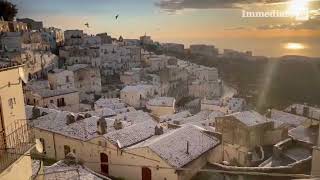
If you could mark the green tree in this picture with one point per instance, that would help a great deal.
(7, 10)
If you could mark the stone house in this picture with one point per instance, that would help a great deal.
(63, 99)
(245, 132)
(161, 106)
(87, 81)
(138, 95)
(61, 79)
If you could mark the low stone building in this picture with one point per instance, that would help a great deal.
(243, 133)
(137, 96)
(64, 99)
(61, 79)
(188, 147)
(131, 77)
(87, 81)
(161, 106)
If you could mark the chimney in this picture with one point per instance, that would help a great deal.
(187, 147)
(249, 156)
(158, 130)
(101, 126)
(87, 115)
(80, 117)
(293, 110)
(35, 112)
(70, 118)
(117, 124)
(306, 111)
(268, 115)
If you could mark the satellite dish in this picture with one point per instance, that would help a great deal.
(39, 146)
(22, 75)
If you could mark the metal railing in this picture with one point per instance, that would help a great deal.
(15, 145)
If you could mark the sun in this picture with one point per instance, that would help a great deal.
(295, 46)
(297, 7)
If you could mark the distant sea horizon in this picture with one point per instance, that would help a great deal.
(260, 47)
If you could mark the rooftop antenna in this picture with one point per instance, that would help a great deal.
(187, 147)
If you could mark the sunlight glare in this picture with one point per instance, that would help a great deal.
(294, 46)
(298, 7)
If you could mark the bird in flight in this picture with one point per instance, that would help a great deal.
(87, 24)
(117, 16)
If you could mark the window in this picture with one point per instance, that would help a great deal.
(51, 101)
(61, 102)
(11, 102)
(43, 145)
(67, 79)
(66, 149)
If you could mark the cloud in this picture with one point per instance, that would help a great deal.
(174, 5)
(312, 24)
(236, 28)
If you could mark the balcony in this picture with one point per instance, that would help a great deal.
(15, 145)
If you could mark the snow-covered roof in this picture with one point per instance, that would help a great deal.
(314, 112)
(54, 121)
(45, 93)
(215, 114)
(35, 85)
(62, 170)
(137, 88)
(305, 134)
(103, 112)
(287, 118)
(162, 101)
(113, 103)
(172, 146)
(77, 67)
(176, 116)
(133, 134)
(216, 102)
(201, 116)
(83, 129)
(58, 71)
(250, 118)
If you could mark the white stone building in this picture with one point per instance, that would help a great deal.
(39, 93)
(131, 77)
(161, 106)
(61, 79)
(204, 50)
(87, 81)
(138, 95)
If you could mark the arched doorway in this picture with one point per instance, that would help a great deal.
(104, 163)
(146, 173)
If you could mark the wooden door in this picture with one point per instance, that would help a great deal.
(104, 163)
(146, 173)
